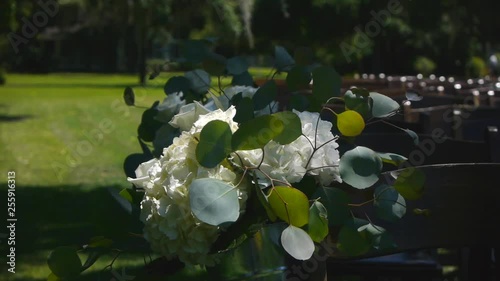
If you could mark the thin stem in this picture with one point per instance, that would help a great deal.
(361, 204)
(321, 167)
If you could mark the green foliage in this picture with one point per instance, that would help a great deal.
(424, 65)
(360, 167)
(389, 204)
(64, 262)
(350, 123)
(476, 67)
(265, 95)
(318, 222)
(290, 205)
(214, 144)
(410, 183)
(213, 201)
(257, 132)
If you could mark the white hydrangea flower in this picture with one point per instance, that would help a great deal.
(169, 225)
(289, 163)
(246, 92)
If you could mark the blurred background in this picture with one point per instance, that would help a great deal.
(450, 37)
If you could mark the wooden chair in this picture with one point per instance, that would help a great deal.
(463, 200)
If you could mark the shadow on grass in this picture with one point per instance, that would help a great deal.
(85, 86)
(67, 215)
(13, 118)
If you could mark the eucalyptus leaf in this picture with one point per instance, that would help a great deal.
(336, 201)
(292, 127)
(215, 143)
(257, 132)
(244, 79)
(380, 239)
(149, 124)
(199, 80)
(283, 60)
(177, 84)
(237, 65)
(383, 106)
(389, 204)
(351, 242)
(290, 205)
(327, 84)
(298, 78)
(412, 95)
(410, 183)
(265, 95)
(413, 135)
(244, 110)
(299, 102)
(215, 64)
(129, 96)
(360, 167)
(350, 123)
(125, 194)
(359, 100)
(392, 158)
(213, 201)
(297, 243)
(318, 222)
(64, 262)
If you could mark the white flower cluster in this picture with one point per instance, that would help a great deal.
(170, 227)
(289, 163)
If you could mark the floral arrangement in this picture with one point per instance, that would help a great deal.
(232, 158)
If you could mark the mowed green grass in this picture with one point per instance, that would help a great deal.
(66, 136)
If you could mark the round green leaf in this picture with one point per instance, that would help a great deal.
(336, 202)
(290, 205)
(215, 64)
(265, 95)
(215, 143)
(359, 101)
(64, 262)
(298, 78)
(410, 183)
(149, 125)
(213, 201)
(392, 158)
(199, 80)
(257, 132)
(176, 84)
(350, 123)
(129, 96)
(326, 84)
(413, 135)
(380, 239)
(299, 102)
(283, 60)
(389, 204)
(292, 127)
(297, 243)
(237, 65)
(244, 110)
(360, 167)
(318, 222)
(244, 79)
(383, 106)
(353, 243)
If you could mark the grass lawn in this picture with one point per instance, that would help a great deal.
(66, 136)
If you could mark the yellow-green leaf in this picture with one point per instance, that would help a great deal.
(350, 123)
(290, 205)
